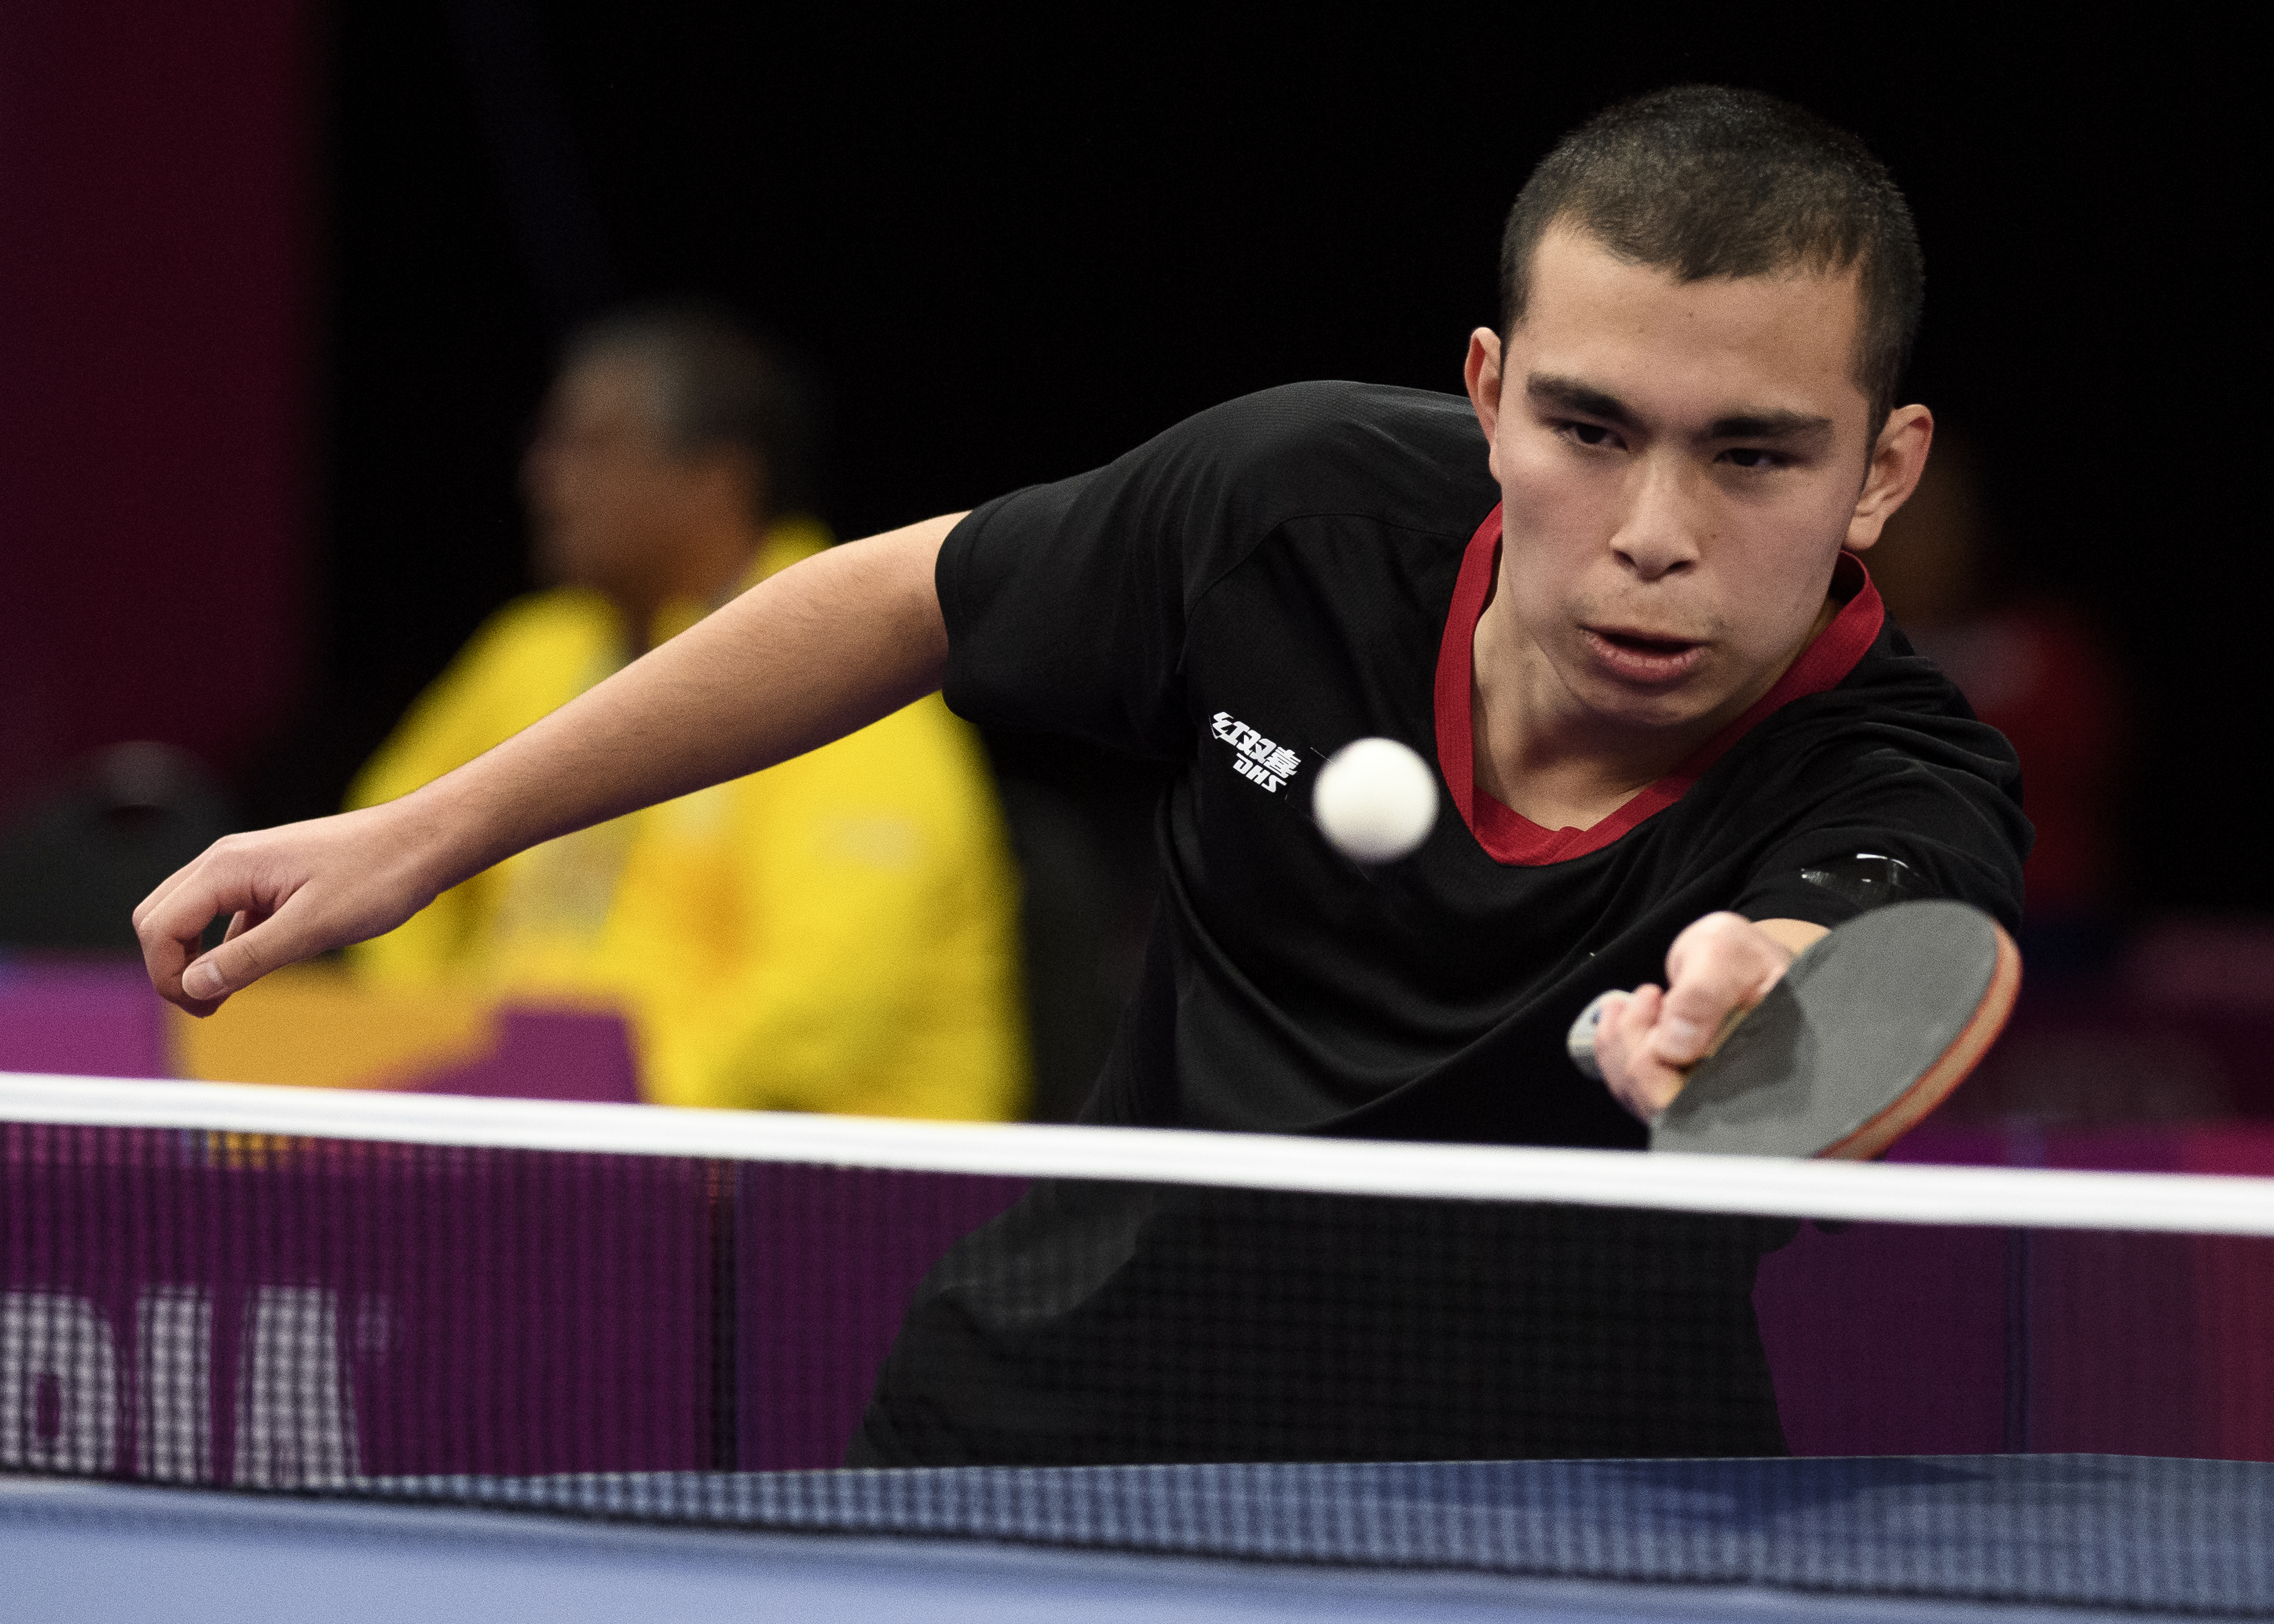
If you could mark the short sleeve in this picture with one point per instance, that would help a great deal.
(1949, 825)
(1066, 605)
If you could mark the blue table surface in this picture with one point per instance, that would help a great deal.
(2005, 1538)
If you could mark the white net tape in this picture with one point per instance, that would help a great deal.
(1756, 1185)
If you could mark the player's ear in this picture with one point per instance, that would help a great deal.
(1481, 372)
(1897, 461)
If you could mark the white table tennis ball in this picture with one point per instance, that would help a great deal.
(1375, 799)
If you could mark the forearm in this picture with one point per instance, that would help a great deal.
(816, 651)
(1794, 936)
(807, 655)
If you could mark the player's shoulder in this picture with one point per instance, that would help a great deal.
(1896, 710)
(1334, 445)
(1892, 676)
(1337, 414)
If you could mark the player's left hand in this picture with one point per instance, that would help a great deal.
(1719, 967)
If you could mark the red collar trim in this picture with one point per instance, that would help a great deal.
(1508, 836)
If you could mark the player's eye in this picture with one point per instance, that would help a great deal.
(1753, 456)
(1589, 434)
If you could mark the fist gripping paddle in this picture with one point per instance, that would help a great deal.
(1868, 1031)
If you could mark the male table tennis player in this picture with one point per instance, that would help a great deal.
(1614, 594)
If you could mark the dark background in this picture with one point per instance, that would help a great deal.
(1012, 253)
(1010, 250)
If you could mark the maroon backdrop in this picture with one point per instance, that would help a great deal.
(155, 211)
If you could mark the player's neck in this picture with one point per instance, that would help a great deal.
(1546, 758)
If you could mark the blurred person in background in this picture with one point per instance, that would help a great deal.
(2033, 668)
(834, 934)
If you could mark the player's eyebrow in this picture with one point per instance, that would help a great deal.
(1785, 426)
(1548, 389)
(1571, 394)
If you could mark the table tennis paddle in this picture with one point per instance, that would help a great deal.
(1871, 1029)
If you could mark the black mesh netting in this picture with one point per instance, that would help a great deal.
(692, 1340)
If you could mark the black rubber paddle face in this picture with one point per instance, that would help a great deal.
(1867, 1032)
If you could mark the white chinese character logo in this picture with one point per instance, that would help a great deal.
(1261, 760)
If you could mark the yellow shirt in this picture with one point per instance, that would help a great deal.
(833, 933)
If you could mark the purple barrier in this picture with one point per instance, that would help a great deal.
(546, 1053)
(1885, 1339)
(2244, 1148)
(1889, 1338)
(828, 1259)
(98, 1018)
(91, 1019)
(211, 1308)
(197, 1307)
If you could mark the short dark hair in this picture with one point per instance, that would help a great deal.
(1706, 181)
(720, 384)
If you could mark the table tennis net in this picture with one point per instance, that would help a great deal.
(692, 1316)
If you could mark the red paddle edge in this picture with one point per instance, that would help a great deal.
(1936, 1082)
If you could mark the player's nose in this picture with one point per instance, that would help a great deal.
(1658, 532)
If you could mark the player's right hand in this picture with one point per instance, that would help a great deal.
(1720, 967)
(291, 892)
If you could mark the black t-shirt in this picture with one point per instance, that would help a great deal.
(1270, 580)
(1241, 597)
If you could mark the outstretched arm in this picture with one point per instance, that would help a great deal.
(807, 655)
(1720, 965)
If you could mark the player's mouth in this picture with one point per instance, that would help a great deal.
(1643, 656)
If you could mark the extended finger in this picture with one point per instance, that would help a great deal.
(1637, 1079)
(164, 889)
(1619, 1037)
(1722, 974)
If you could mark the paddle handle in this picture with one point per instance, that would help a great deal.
(1579, 1042)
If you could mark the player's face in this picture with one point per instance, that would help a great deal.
(604, 492)
(1680, 465)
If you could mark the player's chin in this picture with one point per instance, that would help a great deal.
(1624, 706)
